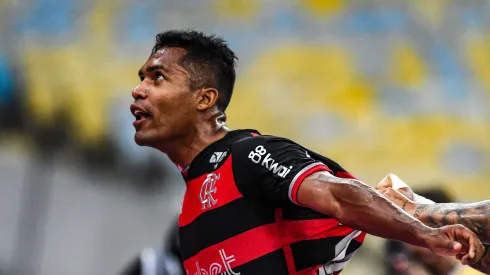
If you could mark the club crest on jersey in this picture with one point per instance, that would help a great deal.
(208, 189)
(260, 156)
(217, 268)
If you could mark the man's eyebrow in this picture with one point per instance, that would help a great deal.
(157, 67)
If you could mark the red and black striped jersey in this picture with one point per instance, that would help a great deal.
(240, 214)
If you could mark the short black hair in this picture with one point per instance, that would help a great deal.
(209, 61)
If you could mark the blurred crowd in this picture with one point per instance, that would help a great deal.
(381, 86)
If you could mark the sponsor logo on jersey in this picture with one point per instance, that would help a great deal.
(217, 157)
(208, 190)
(217, 268)
(260, 156)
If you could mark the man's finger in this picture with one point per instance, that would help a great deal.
(475, 249)
(464, 259)
(457, 246)
(385, 183)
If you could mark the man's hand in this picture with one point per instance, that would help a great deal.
(475, 216)
(399, 199)
(392, 181)
(466, 244)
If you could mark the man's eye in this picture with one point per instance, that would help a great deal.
(159, 77)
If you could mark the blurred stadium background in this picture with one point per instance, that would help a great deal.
(379, 86)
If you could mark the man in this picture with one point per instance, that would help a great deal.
(475, 216)
(258, 204)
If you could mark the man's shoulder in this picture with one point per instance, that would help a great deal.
(257, 139)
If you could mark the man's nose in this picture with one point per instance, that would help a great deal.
(140, 92)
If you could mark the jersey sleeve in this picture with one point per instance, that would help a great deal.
(272, 168)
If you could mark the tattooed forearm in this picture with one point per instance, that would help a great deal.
(475, 216)
(484, 264)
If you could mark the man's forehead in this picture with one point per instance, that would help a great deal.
(166, 56)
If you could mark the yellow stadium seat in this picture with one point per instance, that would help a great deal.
(478, 53)
(237, 9)
(322, 8)
(406, 67)
(432, 11)
(298, 82)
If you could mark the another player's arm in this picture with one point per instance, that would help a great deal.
(359, 206)
(475, 216)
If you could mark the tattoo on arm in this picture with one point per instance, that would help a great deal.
(475, 216)
(404, 204)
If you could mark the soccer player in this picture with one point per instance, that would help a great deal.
(475, 216)
(257, 204)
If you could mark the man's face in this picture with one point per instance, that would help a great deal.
(164, 105)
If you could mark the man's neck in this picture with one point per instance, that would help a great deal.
(183, 151)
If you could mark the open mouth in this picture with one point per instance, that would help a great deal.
(140, 114)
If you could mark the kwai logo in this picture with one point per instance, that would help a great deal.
(217, 268)
(268, 162)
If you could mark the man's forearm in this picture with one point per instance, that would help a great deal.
(357, 205)
(475, 216)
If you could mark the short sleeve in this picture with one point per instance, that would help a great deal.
(272, 167)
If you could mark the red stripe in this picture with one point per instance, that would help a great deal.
(294, 231)
(244, 248)
(299, 180)
(254, 134)
(288, 253)
(345, 175)
(225, 192)
(361, 237)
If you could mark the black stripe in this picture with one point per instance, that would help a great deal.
(296, 213)
(222, 223)
(272, 263)
(318, 252)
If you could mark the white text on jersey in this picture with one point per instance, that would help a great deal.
(268, 162)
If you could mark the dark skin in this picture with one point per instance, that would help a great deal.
(357, 205)
(182, 122)
(475, 216)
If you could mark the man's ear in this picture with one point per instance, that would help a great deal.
(207, 98)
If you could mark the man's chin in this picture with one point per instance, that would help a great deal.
(141, 140)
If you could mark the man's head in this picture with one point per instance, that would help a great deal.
(187, 80)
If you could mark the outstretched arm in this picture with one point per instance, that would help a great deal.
(359, 206)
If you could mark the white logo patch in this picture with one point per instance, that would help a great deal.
(268, 162)
(207, 190)
(217, 157)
